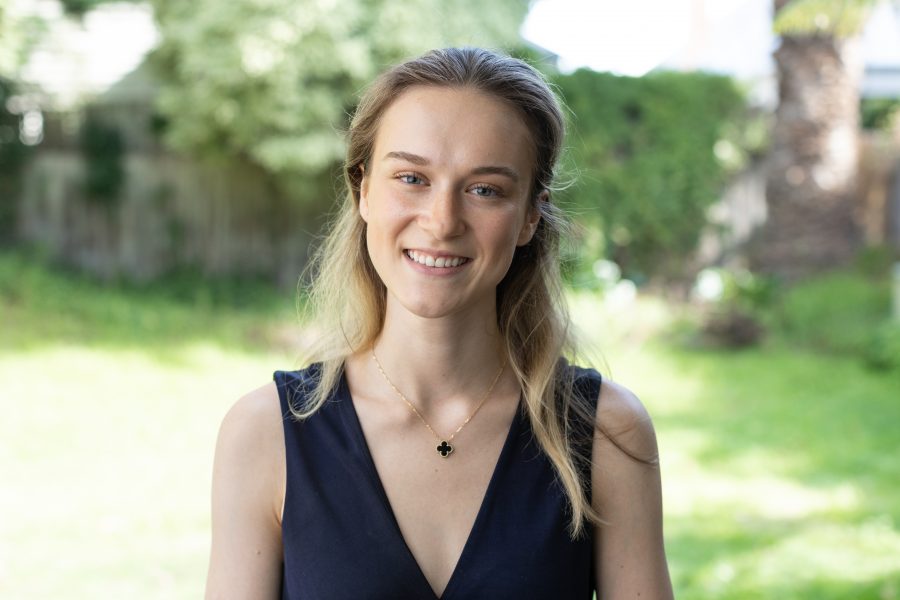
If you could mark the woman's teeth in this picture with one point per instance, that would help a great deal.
(441, 262)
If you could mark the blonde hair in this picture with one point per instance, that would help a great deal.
(346, 299)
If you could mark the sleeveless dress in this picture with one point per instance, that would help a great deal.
(341, 539)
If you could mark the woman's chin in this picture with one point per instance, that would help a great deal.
(430, 309)
(435, 306)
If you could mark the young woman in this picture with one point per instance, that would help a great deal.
(440, 447)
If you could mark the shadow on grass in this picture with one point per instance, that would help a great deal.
(45, 306)
(830, 419)
(795, 464)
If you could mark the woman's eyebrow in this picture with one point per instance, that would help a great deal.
(409, 157)
(496, 170)
(485, 170)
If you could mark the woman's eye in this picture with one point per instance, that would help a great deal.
(409, 178)
(485, 191)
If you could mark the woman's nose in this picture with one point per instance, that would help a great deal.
(443, 217)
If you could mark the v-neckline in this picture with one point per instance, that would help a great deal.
(480, 517)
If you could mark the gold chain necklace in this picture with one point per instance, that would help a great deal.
(444, 448)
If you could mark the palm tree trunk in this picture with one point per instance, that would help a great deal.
(811, 183)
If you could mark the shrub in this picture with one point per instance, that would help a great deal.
(883, 350)
(652, 153)
(13, 154)
(839, 312)
(733, 327)
(878, 113)
(102, 147)
(877, 261)
(740, 316)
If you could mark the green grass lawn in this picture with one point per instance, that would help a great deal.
(780, 473)
(779, 466)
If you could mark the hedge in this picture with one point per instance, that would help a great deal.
(645, 152)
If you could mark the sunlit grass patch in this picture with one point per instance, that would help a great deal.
(817, 560)
(820, 550)
(748, 493)
(779, 466)
(768, 455)
(106, 467)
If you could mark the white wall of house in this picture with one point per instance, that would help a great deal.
(725, 36)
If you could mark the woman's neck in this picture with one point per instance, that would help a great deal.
(452, 358)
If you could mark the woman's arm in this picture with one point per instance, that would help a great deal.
(247, 496)
(629, 553)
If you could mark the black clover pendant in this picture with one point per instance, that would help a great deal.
(444, 449)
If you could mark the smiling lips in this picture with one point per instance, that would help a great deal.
(443, 262)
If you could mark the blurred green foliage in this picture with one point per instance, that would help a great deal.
(883, 349)
(839, 312)
(840, 18)
(19, 32)
(879, 113)
(78, 8)
(275, 81)
(103, 148)
(651, 155)
(845, 313)
(12, 156)
(742, 316)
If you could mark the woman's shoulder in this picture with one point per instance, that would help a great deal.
(256, 403)
(261, 412)
(618, 410)
(253, 421)
(618, 405)
(624, 421)
(247, 497)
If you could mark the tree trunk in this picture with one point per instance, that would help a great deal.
(811, 183)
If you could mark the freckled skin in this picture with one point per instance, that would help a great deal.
(447, 204)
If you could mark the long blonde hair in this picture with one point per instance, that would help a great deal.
(346, 299)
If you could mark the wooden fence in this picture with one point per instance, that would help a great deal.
(172, 212)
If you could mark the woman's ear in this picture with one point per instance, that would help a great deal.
(532, 218)
(363, 195)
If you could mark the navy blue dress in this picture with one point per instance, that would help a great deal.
(342, 541)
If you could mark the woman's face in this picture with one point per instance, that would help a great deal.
(445, 198)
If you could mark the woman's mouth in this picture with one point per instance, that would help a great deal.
(441, 262)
